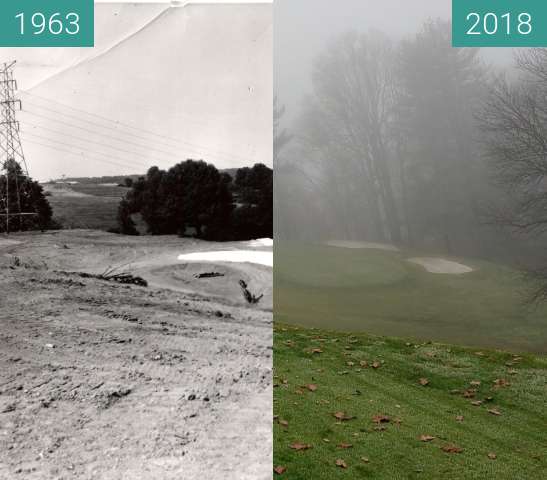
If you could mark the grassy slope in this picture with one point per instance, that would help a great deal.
(517, 437)
(379, 292)
(96, 209)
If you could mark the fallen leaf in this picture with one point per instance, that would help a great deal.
(340, 463)
(280, 470)
(345, 445)
(342, 416)
(492, 456)
(380, 419)
(451, 448)
(494, 411)
(477, 403)
(426, 438)
(317, 350)
(475, 383)
(300, 446)
(376, 365)
(459, 418)
(469, 393)
(363, 363)
(365, 459)
(424, 382)
(283, 423)
(501, 383)
(311, 387)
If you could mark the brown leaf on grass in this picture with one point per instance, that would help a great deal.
(477, 403)
(363, 363)
(343, 416)
(494, 411)
(492, 456)
(475, 383)
(365, 459)
(284, 423)
(301, 446)
(311, 387)
(345, 445)
(459, 418)
(317, 350)
(501, 383)
(340, 463)
(426, 438)
(451, 448)
(350, 364)
(469, 393)
(279, 470)
(376, 365)
(381, 419)
(423, 382)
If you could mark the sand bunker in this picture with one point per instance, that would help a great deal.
(440, 265)
(261, 242)
(351, 244)
(238, 256)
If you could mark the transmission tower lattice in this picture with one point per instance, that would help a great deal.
(11, 149)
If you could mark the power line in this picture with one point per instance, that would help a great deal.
(65, 135)
(82, 150)
(74, 154)
(126, 125)
(172, 154)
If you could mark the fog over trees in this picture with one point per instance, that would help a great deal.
(417, 143)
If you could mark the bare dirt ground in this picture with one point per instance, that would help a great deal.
(106, 381)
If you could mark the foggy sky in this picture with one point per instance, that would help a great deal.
(304, 27)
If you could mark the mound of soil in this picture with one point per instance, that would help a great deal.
(100, 380)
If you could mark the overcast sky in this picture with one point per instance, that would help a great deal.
(304, 27)
(194, 82)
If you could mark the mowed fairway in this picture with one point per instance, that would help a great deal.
(356, 406)
(380, 292)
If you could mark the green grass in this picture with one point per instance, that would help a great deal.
(379, 292)
(394, 451)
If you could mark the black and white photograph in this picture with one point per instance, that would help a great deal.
(136, 248)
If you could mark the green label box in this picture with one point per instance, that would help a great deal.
(47, 23)
(499, 23)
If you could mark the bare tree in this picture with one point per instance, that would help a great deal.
(514, 124)
(345, 129)
(514, 121)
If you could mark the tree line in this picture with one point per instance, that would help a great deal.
(417, 143)
(194, 199)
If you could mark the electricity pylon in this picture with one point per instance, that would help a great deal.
(11, 149)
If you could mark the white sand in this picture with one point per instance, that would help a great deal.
(441, 265)
(352, 244)
(234, 256)
(261, 242)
